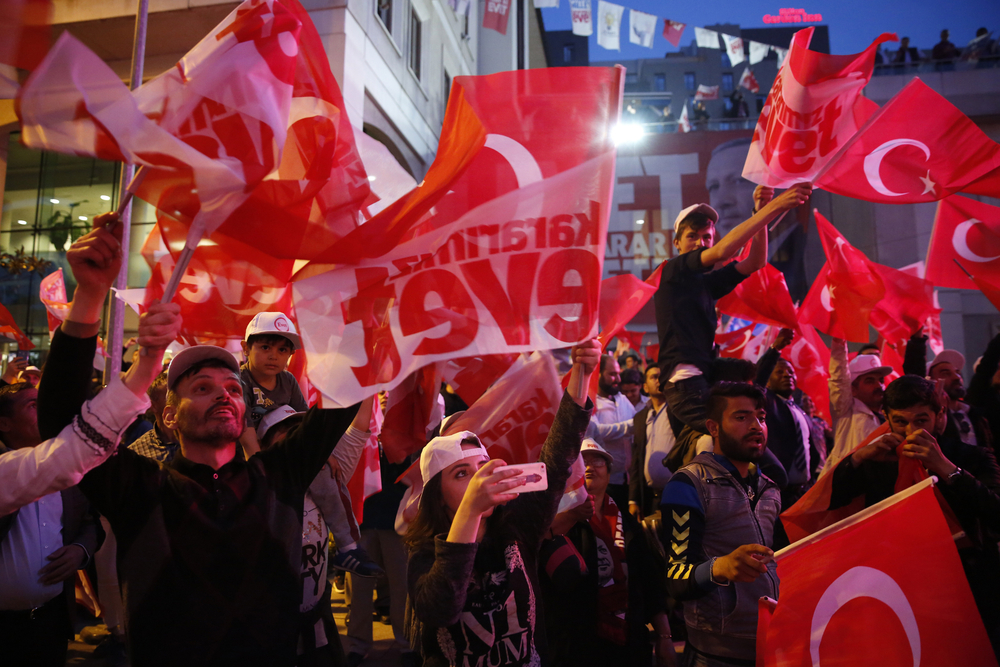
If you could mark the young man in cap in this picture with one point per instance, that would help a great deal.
(210, 545)
(856, 391)
(691, 283)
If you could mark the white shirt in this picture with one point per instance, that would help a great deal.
(852, 420)
(35, 533)
(659, 441)
(611, 427)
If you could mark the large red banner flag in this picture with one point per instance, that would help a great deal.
(916, 148)
(623, 296)
(811, 360)
(846, 290)
(876, 605)
(499, 251)
(968, 231)
(907, 305)
(763, 298)
(813, 108)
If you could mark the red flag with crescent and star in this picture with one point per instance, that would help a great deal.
(968, 231)
(916, 148)
(901, 600)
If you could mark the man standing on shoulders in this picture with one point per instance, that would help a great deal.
(718, 522)
(856, 391)
(653, 438)
(611, 426)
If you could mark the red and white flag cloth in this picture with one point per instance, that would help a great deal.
(810, 358)
(734, 48)
(684, 123)
(672, 31)
(763, 298)
(580, 15)
(622, 297)
(25, 36)
(470, 377)
(706, 92)
(9, 329)
(734, 344)
(845, 292)
(496, 15)
(246, 137)
(749, 81)
(990, 289)
(907, 305)
(814, 107)
(966, 230)
(413, 409)
(52, 294)
(844, 605)
(499, 251)
(916, 148)
(366, 480)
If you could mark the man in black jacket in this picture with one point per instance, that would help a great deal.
(652, 440)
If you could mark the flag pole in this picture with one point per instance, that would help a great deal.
(116, 307)
(963, 268)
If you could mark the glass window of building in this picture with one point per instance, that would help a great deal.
(660, 82)
(727, 81)
(383, 9)
(690, 81)
(414, 50)
(568, 53)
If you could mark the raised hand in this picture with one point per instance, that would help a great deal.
(158, 327)
(794, 196)
(762, 196)
(95, 259)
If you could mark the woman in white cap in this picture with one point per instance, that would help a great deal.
(472, 571)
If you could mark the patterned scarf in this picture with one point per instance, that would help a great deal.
(612, 598)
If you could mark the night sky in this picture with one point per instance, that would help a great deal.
(853, 23)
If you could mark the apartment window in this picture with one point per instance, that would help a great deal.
(727, 81)
(660, 82)
(414, 51)
(725, 62)
(447, 87)
(690, 82)
(383, 9)
(465, 24)
(568, 53)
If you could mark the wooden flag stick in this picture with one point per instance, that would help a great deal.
(963, 268)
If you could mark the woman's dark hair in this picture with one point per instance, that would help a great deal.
(432, 517)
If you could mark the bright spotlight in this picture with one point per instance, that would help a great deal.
(640, 222)
(105, 198)
(627, 133)
(54, 201)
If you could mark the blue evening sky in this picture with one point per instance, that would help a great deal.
(853, 23)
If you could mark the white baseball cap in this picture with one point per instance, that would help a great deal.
(590, 445)
(274, 323)
(275, 417)
(953, 357)
(444, 450)
(868, 363)
(190, 356)
(696, 208)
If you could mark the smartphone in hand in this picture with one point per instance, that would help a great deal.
(534, 473)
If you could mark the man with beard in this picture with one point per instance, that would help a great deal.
(209, 544)
(718, 520)
(788, 426)
(964, 421)
(856, 390)
(611, 426)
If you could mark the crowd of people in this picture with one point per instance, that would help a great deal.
(981, 49)
(217, 528)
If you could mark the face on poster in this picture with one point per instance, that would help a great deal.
(659, 176)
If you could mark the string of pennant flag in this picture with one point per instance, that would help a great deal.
(642, 28)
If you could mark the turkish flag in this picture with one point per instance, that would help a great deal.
(366, 480)
(968, 231)
(987, 185)
(762, 297)
(846, 290)
(874, 604)
(411, 412)
(813, 108)
(733, 344)
(907, 305)
(623, 296)
(25, 36)
(498, 251)
(890, 356)
(9, 327)
(672, 31)
(52, 293)
(470, 377)
(989, 289)
(749, 81)
(811, 360)
(916, 148)
(223, 286)
(707, 92)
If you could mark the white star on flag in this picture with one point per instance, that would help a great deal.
(928, 183)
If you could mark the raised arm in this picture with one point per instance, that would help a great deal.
(841, 397)
(731, 243)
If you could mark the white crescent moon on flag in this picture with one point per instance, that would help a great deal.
(824, 299)
(960, 241)
(873, 162)
(863, 582)
(521, 160)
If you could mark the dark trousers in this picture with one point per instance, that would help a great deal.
(686, 403)
(35, 638)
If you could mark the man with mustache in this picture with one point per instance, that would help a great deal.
(856, 390)
(611, 425)
(718, 524)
